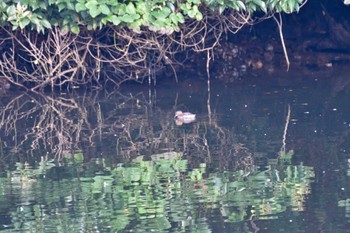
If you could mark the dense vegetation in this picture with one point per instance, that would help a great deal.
(76, 42)
(158, 15)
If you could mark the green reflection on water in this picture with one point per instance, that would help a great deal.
(159, 195)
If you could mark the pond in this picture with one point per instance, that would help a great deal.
(265, 154)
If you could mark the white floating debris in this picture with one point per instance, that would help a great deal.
(329, 65)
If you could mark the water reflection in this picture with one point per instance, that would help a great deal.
(148, 195)
(260, 158)
(113, 124)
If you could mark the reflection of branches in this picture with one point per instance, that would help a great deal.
(126, 123)
(47, 120)
(202, 141)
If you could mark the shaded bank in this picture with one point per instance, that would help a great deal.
(317, 41)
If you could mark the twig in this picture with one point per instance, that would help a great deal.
(280, 24)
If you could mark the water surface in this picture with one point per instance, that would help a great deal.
(267, 154)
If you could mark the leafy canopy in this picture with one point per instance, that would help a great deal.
(162, 16)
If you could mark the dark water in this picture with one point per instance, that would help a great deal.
(267, 154)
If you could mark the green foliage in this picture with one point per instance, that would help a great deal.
(159, 15)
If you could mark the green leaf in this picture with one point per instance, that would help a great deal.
(104, 9)
(112, 2)
(174, 18)
(221, 2)
(142, 8)
(46, 23)
(70, 6)
(129, 18)
(75, 29)
(199, 16)
(241, 5)
(135, 26)
(221, 9)
(24, 22)
(180, 17)
(261, 4)
(171, 6)
(35, 20)
(61, 6)
(130, 8)
(191, 13)
(11, 10)
(12, 18)
(94, 12)
(116, 20)
(80, 7)
(162, 14)
(291, 4)
(91, 4)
